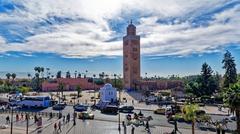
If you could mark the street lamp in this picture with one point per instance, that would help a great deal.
(11, 120)
(119, 122)
(74, 114)
(27, 119)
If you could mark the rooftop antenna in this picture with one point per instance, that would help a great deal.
(131, 21)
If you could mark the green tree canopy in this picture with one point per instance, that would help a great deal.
(232, 99)
(230, 76)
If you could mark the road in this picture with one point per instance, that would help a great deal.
(158, 120)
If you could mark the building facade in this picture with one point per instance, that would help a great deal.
(70, 84)
(131, 58)
(108, 93)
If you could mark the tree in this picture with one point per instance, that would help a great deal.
(75, 74)
(13, 76)
(68, 75)
(24, 90)
(61, 87)
(42, 71)
(59, 74)
(230, 76)
(29, 75)
(8, 75)
(232, 99)
(79, 90)
(207, 83)
(189, 114)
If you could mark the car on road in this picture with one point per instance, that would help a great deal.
(85, 115)
(80, 107)
(59, 106)
(159, 111)
(126, 109)
(110, 109)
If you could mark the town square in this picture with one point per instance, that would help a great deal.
(119, 67)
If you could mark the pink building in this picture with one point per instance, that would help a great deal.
(70, 84)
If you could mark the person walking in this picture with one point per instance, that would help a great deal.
(22, 118)
(133, 129)
(35, 118)
(55, 127)
(68, 117)
(64, 119)
(124, 128)
(147, 126)
(7, 120)
(17, 117)
(60, 126)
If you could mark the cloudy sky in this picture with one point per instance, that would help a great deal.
(177, 36)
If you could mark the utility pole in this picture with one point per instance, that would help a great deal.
(119, 118)
(74, 114)
(11, 121)
(27, 119)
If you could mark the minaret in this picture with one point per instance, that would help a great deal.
(131, 57)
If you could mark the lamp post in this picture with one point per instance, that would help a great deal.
(27, 119)
(11, 120)
(74, 114)
(94, 87)
(119, 122)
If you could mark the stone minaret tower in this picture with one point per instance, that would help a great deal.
(131, 57)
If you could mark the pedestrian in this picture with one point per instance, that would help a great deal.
(133, 102)
(51, 115)
(55, 126)
(133, 129)
(68, 117)
(35, 118)
(147, 126)
(21, 116)
(17, 117)
(64, 119)
(60, 126)
(124, 128)
(7, 120)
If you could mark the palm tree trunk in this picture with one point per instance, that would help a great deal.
(193, 125)
(238, 120)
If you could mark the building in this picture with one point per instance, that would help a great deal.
(131, 67)
(108, 93)
(131, 57)
(70, 84)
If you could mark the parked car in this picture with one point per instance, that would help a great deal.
(159, 111)
(110, 109)
(85, 115)
(80, 107)
(126, 109)
(200, 112)
(59, 106)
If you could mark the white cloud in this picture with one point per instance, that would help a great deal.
(89, 32)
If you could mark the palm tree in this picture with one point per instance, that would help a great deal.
(232, 99)
(42, 70)
(75, 74)
(61, 88)
(8, 75)
(13, 76)
(78, 90)
(29, 75)
(189, 114)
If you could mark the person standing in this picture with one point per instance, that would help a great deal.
(60, 126)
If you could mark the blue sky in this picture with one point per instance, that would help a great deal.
(176, 36)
